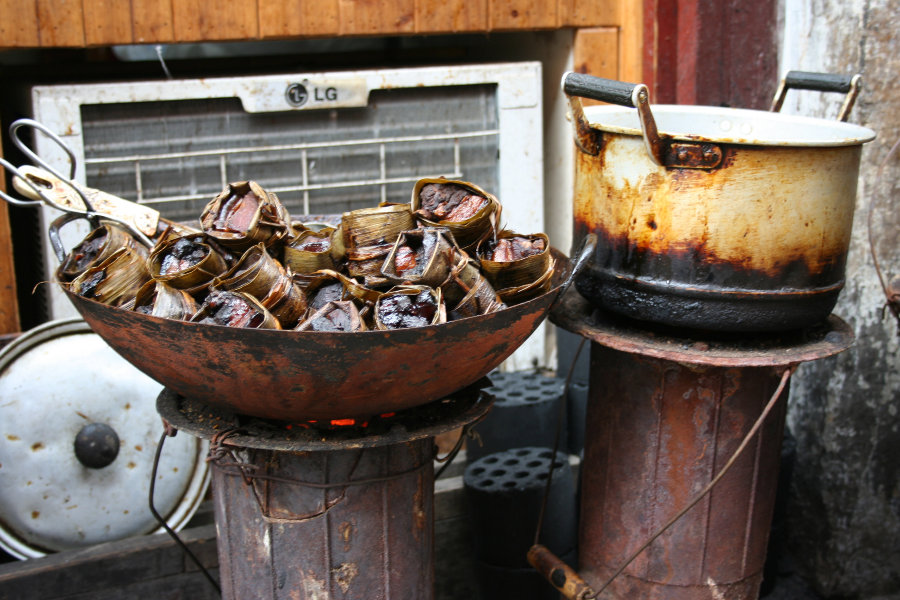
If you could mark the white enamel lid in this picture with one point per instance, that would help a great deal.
(54, 380)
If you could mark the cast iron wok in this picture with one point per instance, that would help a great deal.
(302, 375)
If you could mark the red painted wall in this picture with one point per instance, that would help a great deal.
(711, 52)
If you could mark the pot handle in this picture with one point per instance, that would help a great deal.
(820, 82)
(632, 95)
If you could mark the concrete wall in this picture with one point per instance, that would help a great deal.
(844, 515)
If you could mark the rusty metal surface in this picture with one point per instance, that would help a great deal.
(368, 540)
(430, 420)
(318, 375)
(828, 337)
(660, 431)
(757, 243)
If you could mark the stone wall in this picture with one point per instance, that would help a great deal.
(844, 509)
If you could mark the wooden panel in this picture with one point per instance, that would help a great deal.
(279, 18)
(199, 20)
(433, 16)
(589, 13)
(522, 14)
(60, 22)
(149, 566)
(152, 21)
(596, 52)
(107, 22)
(366, 17)
(631, 41)
(9, 304)
(660, 49)
(21, 31)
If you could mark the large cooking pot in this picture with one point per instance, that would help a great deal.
(712, 218)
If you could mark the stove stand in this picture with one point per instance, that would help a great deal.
(665, 413)
(311, 511)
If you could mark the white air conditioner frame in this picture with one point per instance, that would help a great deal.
(520, 123)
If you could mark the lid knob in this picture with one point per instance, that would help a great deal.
(96, 445)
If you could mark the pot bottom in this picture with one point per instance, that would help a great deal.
(683, 307)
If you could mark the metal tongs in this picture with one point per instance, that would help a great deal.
(43, 184)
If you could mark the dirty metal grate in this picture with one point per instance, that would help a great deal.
(177, 155)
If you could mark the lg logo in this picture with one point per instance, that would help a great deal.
(297, 95)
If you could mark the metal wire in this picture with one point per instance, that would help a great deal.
(169, 431)
(892, 301)
(556, 440)
(785, 377)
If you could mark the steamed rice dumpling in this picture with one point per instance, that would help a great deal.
(410, 258)
(326, 293)
(335, 316)
(233, 310)
(509, 249)
(88, 250)
(237, 212)
(182, 255)
(449, 202)
(312, 243)
(396, 311)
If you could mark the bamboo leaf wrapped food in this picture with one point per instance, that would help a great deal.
(286, 301)
(410, 306)
(258, 273)
(514, 260)
(421, 256)
(311, 250)
(186, 262)
(523, 293)
(244, 215)
(465, 209)
(234, 309)
(375, 226)
(116, 281)
(337, 315)
(96, 247)
(159, 299)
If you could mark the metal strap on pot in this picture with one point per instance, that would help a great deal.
(662, 151)
(820, 82)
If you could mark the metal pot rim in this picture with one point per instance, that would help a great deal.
(724, 125)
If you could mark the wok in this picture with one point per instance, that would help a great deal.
(302, 375)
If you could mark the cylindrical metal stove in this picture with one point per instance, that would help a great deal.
(324, 510)
(665, 413)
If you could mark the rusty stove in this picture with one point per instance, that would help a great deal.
(666, 411)
(340, 509)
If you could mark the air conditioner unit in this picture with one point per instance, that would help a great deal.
(325, 142)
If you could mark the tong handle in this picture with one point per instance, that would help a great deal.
(23, 147)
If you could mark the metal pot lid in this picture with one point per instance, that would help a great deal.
(78, 434)
(730, 126)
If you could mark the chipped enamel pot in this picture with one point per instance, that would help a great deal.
(711, 218)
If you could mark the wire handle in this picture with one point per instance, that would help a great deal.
(568, 581)
(170, 431)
